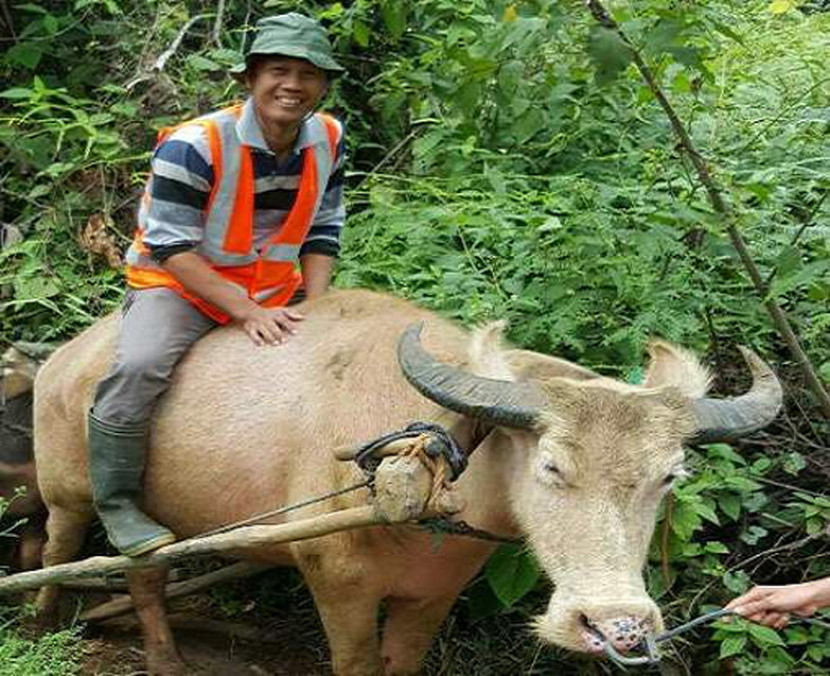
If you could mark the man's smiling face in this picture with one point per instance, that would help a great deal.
(285, 89)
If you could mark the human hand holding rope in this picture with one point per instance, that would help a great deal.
(772, 605)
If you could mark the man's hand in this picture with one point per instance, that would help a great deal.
(771, 606)
(270, 326)
(264, 326)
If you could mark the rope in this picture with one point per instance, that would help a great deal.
(652, 655)
(438, 443)
(441, 525)
(430, 442)
(282, 510)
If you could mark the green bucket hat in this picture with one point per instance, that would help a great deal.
(291, 35)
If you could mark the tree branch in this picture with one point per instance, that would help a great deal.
(126, 604)
(217, 24)
(720, 206)
(161, 61)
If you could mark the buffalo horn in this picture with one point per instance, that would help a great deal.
(729, 419)
(499, 402)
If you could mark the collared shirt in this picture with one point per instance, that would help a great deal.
(182, 177)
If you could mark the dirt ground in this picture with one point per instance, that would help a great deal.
(117, 651)
(294, 645)
(247, 628)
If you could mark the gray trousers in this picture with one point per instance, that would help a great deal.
(157, 327)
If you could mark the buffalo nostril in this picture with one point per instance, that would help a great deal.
(591, 633)
(625, 632)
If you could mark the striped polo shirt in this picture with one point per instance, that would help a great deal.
(182, 177)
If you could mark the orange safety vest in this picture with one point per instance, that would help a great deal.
(269, 275)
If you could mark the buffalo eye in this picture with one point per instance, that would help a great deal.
(549, 473)
(550, 467)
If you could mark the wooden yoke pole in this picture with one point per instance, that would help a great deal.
(405, 486)
(243, 538)
(347, 453)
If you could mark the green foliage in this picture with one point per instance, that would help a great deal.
(728, 508)
(512, 573)
(51, 655)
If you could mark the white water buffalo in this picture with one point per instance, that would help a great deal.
(17, 462)
(574, 462)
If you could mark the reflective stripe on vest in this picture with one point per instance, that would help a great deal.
(267, 276)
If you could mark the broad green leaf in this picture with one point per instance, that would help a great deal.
(394, 13)
(512, 573)
(753, 534)
(742, 483)
(25, 54)
(610, 54)
(31, 7)
(34, 288)
(51, 24)
(789, 260)
(685, 520)
(736, 581)
(228, 57)
(201, 63)
(59, 168)
(510, 77)
(708, 513)
(17, 93)
(726, 30)
(726, 452)
(818, 652)
(333, 11)
(361, 34)
(716, 548)
(760, 466)
(730, 504)
(732, 645)
(39, 191)
(764, 636)
(806, 275)
(797, 635)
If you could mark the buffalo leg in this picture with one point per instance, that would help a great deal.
(147, 589)
(410, 626)
(351, 624)
(349, 612)
(65, 532)
(32, 539)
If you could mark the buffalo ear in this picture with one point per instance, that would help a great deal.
(486, 352)
(673, 366)
(526, 364)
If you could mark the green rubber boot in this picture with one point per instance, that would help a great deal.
(116, 466)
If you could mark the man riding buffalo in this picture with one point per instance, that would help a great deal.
(235, 199)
